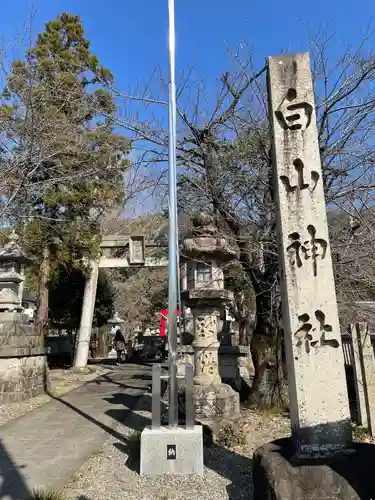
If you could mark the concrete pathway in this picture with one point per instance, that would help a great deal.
(44, 448)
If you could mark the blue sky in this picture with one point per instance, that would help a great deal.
(130, 36)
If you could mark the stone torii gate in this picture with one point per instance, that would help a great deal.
(117, 251)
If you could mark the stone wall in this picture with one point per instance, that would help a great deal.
(22, 359)
(21, 378)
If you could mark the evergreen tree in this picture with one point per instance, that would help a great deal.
(66, 160)
(66, 290)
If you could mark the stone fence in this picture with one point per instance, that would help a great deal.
(234, 364)
(358, 345)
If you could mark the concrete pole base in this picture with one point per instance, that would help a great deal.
(171, 451)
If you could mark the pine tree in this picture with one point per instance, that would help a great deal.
(66, 160)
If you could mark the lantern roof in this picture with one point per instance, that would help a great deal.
(12, 251)
(206, 242)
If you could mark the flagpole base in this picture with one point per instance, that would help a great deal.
(172, 451)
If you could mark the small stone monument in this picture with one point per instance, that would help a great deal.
(319, 461)
(206, 253)
(22, 353)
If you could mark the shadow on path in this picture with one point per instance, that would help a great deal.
(113, 362)
(136, 422)
(143, 376)
(107, 378)
(232, 466)
(12, 484)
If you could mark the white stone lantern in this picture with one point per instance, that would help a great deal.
(207, 275)
(12, 275)
(115, 323)
(205, 254)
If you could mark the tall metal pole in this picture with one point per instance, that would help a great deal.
(173, 227)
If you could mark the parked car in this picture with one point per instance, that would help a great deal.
(154, 348)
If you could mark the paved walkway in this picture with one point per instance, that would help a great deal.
(44, 448)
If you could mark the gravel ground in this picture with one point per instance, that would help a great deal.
(112, 472)
(62, 381)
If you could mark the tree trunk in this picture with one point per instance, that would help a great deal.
(269, 384)
(102, 342)
(269, 388)
(243, 338)
(41, 319)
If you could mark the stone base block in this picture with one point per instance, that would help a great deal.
(21, 378)
(171, 451)
(279, 475)
(216, 400)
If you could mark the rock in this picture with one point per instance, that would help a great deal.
(279, 475)
(215, 400)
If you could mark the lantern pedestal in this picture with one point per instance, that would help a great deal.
(212, 398)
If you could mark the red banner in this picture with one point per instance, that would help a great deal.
(163, 321)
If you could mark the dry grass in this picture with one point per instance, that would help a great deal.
(362, 435)
(47, 495)
(231, 436)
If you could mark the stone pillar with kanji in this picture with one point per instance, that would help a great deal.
(319, 460)
(318, 396)
(206, 253)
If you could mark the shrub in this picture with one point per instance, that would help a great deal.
(134, 442)
(231, 436)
